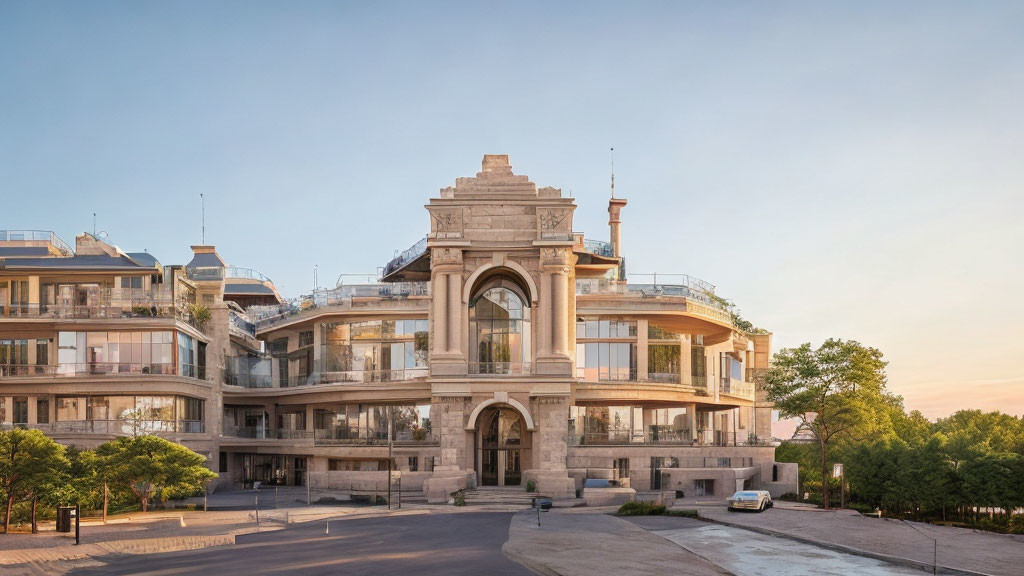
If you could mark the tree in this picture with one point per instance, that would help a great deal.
(30, 464)
(833, 391)
(150, 466)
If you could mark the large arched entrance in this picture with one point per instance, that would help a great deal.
(502, 446)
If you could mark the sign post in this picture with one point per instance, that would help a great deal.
(838, 472)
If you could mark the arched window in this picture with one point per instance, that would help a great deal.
(499, 325)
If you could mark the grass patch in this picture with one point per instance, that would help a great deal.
(641, 508)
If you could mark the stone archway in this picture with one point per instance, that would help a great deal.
(502, 446)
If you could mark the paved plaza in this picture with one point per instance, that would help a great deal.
(502, 540)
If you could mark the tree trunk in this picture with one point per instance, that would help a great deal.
(35, 530)
(10, 506)
(824, 476)
(145, 503)
(104, 502)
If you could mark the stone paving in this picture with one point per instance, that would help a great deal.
(957, 548)
(573, 543)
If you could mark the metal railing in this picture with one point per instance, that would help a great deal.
(240, 325)
(342, 296)
(123, 427)
(344, 436)
(410, 254)
(37, 236)
(599, 247)
(246, 273)
(373, 375)
(500, 368)
(660, 437)
(99, 369)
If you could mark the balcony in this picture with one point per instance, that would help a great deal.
(342, 297)
(244, 273)
(106, 369)
(656, 436)
(737, 388)
(122, 427)
(107, 303)
(62, 247)
(599, 248)
(410, 254)
(344, 437)
(500, 368)
(257, 378)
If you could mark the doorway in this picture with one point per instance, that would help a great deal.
(501, 446)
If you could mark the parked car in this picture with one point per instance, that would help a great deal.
(756, 500)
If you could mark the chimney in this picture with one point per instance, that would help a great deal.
(614, 208)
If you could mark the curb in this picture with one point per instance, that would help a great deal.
(535, 567)
(899, 561)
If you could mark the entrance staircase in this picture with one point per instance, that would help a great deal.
(510, 496)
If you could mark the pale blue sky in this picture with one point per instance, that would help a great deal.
(838, 170)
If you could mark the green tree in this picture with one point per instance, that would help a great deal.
(151, 466)
(834, 391)
(30, 464)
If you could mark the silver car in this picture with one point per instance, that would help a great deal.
(756, 500)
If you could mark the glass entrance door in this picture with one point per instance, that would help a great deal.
(501, 448)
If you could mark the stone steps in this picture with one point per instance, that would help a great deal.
(510, 496)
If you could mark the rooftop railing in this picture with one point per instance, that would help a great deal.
(341, 296)
(240, 325)
(586, 286)
(246, 273)
(599, 247)
(410, 254)
(37, 236)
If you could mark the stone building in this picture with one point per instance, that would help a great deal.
(502, 349)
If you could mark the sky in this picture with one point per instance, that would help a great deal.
(838, 170)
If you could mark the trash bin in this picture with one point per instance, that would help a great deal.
(64, 514)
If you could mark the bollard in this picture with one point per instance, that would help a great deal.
(328, 530)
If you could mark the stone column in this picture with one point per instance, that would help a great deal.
(691, 415)
(550, 448)
(686, 361)
(439, 315)
(560, 311)
(642, 355)
(33, 416)
(455, 312)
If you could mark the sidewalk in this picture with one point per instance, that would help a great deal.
(957, 549)
(572, 543)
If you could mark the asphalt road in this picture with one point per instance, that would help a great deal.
(448, 544)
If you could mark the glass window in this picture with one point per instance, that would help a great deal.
(500, 331)
(43, 410)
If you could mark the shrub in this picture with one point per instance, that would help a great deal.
(531, 486)
(683, 513)
(459, 497)
(641, 508)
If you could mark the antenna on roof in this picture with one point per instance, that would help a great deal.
(613, 172)
(93, 223)
(202, 209)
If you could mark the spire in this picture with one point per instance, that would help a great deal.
(613, 172)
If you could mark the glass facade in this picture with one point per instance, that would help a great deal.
(606, 350)
(369, 422)
(375, 350)
(499, 328)
(589, 425)
(114, 352)
(123, 414)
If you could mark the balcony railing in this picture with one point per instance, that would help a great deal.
(599, 247)
(344, 437)
(373, 375)
(341, 297)
(115, 369)
(123, 427)
(240, 326)
(737, 388)
(37, 236)
(246, 273)
(500, 368)
(662, 437)
(410, 254)
(212, 273)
